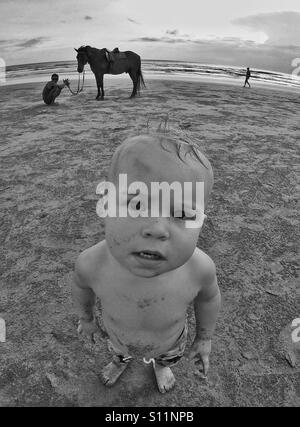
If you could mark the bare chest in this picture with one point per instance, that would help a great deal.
(147, 305)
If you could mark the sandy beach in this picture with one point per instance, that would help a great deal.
(52, 159)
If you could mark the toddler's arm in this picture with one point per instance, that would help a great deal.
(84, 299)
(207, 306)
(83, 295)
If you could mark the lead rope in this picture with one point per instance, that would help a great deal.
(79, 89)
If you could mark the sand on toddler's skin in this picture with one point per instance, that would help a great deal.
(52, 159)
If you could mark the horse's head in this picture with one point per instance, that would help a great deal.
(82, 58)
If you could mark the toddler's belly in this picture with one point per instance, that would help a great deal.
(143, 343)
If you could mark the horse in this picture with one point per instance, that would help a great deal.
(100, 63)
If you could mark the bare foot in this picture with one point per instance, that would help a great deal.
(112, 372)
(164, 377)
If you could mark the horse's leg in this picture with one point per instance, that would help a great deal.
(102, 89)
(98, 87)
(134, 79)
(99, 79)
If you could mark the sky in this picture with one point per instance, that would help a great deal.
(262, 34)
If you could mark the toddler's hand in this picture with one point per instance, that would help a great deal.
(199, 353)
(87, 329)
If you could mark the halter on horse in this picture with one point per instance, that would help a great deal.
(79, 89)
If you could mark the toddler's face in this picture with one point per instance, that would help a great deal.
(149, 246)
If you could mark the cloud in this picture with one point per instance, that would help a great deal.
(281, 28)
(226, 51)
(31, 42)
(133, 21)
(281, 32)
(88, 18)
(171, 37)
(172, 32)
(7, 43)
(234, 41)
(146, 39)
(163, 39)
(13, 44)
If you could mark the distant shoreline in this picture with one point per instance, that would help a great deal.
(90, 81)
(160, 69)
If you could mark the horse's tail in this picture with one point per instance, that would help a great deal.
(140, 79)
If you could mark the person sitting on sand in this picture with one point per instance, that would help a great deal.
(248, 75)
(52, 89)
(148, 270)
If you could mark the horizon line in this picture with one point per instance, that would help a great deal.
(157, 60)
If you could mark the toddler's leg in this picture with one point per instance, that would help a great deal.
(164, 377)
(114, 370)
(116, 367)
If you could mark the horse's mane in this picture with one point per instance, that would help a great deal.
(85, 49)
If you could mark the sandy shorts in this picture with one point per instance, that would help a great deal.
(170, 358)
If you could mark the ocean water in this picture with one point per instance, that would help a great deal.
(155, 69)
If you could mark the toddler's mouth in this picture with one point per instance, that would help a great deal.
(150, 255)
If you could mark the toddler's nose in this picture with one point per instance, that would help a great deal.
(158, 229)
